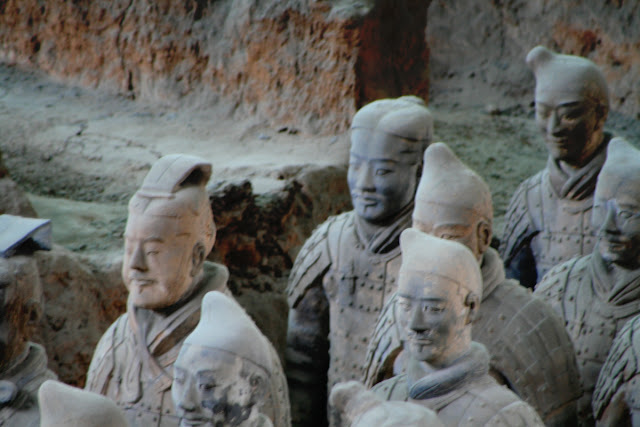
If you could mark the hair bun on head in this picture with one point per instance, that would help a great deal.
(539, 55)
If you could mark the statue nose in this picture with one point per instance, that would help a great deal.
(365, 177)
(553, 124)
(417, 321)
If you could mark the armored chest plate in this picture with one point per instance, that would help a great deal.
(565, 229)
(357, 289)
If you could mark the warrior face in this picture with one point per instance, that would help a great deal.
(461, 225)
(162, 257)
(214, 388)
(383, 174)
(434, 318)
(616, 212)
(571, 125)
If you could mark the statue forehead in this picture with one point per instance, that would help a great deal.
(371, 144)
(197, 357)
(148, 223)
(418, 285)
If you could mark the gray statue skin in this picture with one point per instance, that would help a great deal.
(598, 293)
(530, 349)
(347, 269)
(548, 219)
(23, 364)
(439, 294)
(228, 373)
(168, 235)
(616, 399)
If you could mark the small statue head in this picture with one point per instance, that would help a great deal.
(453, 202)
(616, 205)
(222, 374)
(169, 233)
(355, 406)
(439, 293)
(20, 306)
(572, 103)
(388, 138)
(62, 406)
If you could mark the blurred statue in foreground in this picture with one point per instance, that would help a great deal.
(616, 399)
(355, 406)
(439, 294)
(23, 364)
(529, 347)
(598, 293)
(65, 406)
(169, 233)
(547, 221)
(347, 269)
(228, 373)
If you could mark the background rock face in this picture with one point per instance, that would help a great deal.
(312, 63)
(478, 48)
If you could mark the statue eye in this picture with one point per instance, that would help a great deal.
(404, 304)
(382, 172)
(207, 386)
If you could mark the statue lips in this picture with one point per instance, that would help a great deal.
(188, 421)
(140, 281)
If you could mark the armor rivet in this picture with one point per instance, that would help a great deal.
(502, 317)
(571, 298)
(362, 284)
(380, 276)
(371, 287)
(351, 304)
(360, 306)
(343, 277)
(366, 273)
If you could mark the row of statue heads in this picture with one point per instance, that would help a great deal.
(401, 312)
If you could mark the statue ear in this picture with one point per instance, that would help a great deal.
(473, 302)
(484, 236)
(197, 258)
(601, 116)
(258, 387)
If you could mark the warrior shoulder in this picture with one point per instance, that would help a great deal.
(553, 285)
(519, 218)
(103, 362)
(384, 347)
(620, 367)
(315, 258)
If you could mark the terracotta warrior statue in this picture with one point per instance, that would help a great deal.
(547, 221)
(616, 399)
(23, 364)
(64, 406)
(347, 268)
(168, 235)
(598, 293)
(530, 350)
(439, 294)
(355, 406)
(228, 373)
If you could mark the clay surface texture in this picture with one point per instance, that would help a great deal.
(169, 233)
(439, 293)
(529, 347)
(228, 373)
(23, 364)
(548, 219)
(598, 293)
(347, 269)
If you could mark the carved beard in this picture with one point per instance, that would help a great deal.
(234, 414)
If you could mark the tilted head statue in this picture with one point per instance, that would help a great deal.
(64, 406)
(222, 373)
(616, 205)
(572, 103)
(388, 138)
(169, 233)
(439, 293)
(358, 407)
(20, 306)
(453, 202)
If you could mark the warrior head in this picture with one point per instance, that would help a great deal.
(62, 405)
(388, 138)
(616, 205)
(439, 293)
(169, 233)
(20, 306)
(453, 202)
(222, 374)
(572, 103)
